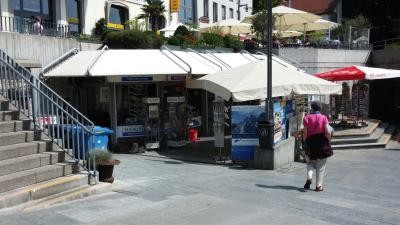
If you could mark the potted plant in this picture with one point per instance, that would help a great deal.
(104, 164)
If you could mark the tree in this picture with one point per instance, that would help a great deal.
(259, 5)
(135, 24)
(181, 30)
(383, 14)
(359, 25)
(259, 25)
(153, 11)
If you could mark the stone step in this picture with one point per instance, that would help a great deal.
(42, 190)
(4, 105)
(29, 162)
(362, 132)
(36, 175)
(372, 138)
(381, 142)
(69, 195)
(9, 115)
(14, 125)
(23, 149)
(16, 137)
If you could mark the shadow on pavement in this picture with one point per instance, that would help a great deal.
(283, 187)
(166, 161)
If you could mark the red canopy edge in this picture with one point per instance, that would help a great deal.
(347, 73)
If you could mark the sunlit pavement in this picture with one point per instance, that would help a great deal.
(361, 187)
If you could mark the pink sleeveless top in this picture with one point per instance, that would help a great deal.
(315, 123)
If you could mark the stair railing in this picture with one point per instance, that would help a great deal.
(51, 114)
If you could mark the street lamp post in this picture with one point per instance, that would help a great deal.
(239, 6)
(268, 101)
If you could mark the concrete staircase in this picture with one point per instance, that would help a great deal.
(32, 167)
(377, 136)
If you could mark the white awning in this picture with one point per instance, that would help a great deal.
(76, 66)
(117, 62)
(136, 62)
(249, 82)
(147, 62)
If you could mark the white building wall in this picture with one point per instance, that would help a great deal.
(4, 6)
(229, 4)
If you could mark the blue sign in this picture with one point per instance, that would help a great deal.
(244, 133)
(136, 78)
(130, 131)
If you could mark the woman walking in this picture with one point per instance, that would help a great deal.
(317, 137)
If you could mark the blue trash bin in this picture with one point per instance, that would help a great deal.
(86, 142)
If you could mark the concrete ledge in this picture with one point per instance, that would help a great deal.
(281, 155)
(42, 190)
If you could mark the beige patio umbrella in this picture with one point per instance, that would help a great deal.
(319, 24)
(248, 82)
(287, 33)
(229, 26)
(285, 16)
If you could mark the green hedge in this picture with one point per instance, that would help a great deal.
(213, 39)
(233, 42)
(132, 39)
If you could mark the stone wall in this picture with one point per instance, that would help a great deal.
(322, 60)
(40, 49)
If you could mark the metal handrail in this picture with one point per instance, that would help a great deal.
(298, 68)
(25, 26)
(246, 52)
(26, 73)
(218, 59)
(50, 114)
(385, 42)
(262, 53)
(103, 49)
(202, 56)
(57, 61)
(169, 50)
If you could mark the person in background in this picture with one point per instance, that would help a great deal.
(37, 25)
(317, 136)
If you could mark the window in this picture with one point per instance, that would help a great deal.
(205, 8)
(73, 15)
(215, 12)
(186, 12)
(31, 5)
(29, 8)
(45, 7)
(118, 16)
(230, 13)
(223, 12)
(16, 4)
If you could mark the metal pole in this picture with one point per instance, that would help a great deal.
(268, 102)
(238, 11)
(349, 37)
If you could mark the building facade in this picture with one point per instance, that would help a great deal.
(211, 11)
(82, 15)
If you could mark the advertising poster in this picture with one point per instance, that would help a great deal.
(244, 134)
(279, 121)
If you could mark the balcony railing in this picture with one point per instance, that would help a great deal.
(25, 26)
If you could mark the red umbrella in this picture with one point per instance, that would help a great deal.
(359, 73)
(347, 73)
